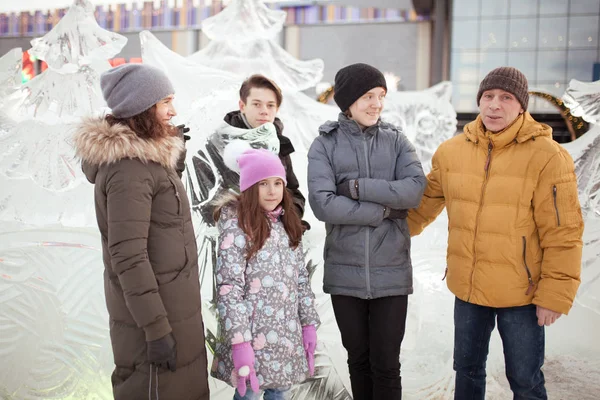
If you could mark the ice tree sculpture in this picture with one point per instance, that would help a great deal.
(583, 98)
(76, 51)
(11, 66)
(54, 328)
(243, 41)
(37, 148)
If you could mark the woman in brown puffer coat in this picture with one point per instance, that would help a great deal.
(135, 159)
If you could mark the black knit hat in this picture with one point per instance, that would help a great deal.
(508, 79)
(353, 81)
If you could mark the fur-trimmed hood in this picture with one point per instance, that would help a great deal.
(97, 143)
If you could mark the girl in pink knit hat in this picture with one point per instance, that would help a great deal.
(267, 318)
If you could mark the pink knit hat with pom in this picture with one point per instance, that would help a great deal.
(253, 165)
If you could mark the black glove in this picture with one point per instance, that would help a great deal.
(397, 214)
(163, 352)
(345, 189)
(182, 130)
(305, 226)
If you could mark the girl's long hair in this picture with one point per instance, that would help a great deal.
(254, 222)
(145, 124)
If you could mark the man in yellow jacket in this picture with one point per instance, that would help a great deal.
(515, 229)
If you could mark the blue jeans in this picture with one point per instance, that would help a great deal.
(523, 342)
(269, 394)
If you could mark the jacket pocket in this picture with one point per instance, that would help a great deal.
(529, 278)
(566, 203)
(177, 196)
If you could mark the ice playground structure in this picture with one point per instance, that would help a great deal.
(54, 339)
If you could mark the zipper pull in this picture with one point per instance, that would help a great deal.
(489, 156)
(445, 273)
(530, 287)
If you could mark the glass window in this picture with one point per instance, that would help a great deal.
(524, 61)
(531, 106)
(464, 35)
(489, 61)
(464, 66)
(465, 8)
(522, 33)
(551, 66)
(496, 8)
(464, 97)
(493, 34)
(554, 7)
(552, 33)
(580, 64)
(585, 6)
(523, 7)
(542, 105)
(583, 31)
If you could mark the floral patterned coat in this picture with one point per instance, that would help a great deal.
(266, 301)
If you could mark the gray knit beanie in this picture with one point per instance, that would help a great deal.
(352, 81)
(131, 89)
(508, 79)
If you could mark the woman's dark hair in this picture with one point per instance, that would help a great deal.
(145, 124)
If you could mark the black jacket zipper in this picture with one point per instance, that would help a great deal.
(554, 193)
(531, 284)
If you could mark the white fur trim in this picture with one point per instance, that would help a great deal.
(232, 153)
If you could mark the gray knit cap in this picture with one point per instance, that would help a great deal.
(508, 79)
(131, 89)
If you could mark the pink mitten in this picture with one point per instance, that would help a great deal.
(243, 356)
(309, 340)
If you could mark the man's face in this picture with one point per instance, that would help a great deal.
(165, 110)
(260, 106)
(270, 193)
(367, 109)
(498, 109)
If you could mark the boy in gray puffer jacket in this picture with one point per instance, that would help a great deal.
(363, 174)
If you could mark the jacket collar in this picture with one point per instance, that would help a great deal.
(522, 129)
(97, 143)
(351, 127)
(237, 119)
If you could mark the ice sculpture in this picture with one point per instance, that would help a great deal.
(54, 331)
(243, 41)
(11, 66)
(583, 99)
(76, 52)
(426, 117)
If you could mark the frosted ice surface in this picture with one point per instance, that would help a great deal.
(244, 20)
(54, 329)
(11, 66)
(76, 51)
(264, 57)
(210, 91)
(56, 97)
(246, 46)
(426, 117)
(583, 98)
(77, 40)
